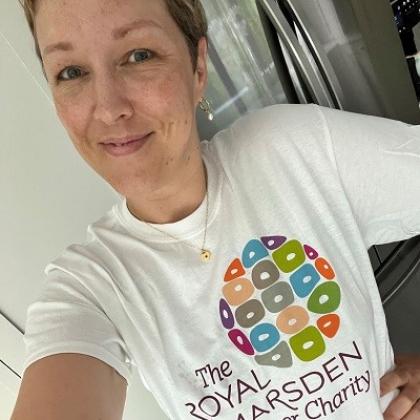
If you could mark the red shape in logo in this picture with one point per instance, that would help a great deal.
(324, 268)
(329, 324)
(234, 270)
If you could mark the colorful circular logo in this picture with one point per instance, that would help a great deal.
(279, 302)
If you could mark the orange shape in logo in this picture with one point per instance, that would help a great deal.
(329, 324)
(324, 268)
(234, 270)
(292, 319)
(238, 291)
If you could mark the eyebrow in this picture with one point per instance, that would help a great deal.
(117, 34)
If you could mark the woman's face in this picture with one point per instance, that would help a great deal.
(116, 86)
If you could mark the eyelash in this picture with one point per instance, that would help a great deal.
(60, 79)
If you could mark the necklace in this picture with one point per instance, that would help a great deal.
(205, 253)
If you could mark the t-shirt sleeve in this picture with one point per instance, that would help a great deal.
(378, 163)
(66, 318)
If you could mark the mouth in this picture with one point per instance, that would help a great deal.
(125, 148)
(123, 144)
(125, 140)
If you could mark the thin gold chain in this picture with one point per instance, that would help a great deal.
(173, 237)
(205, 230)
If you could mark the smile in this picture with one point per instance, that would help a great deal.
(126, 148)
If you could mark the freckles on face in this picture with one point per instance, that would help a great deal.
(116, 98)
(175, 105)
(75, 121)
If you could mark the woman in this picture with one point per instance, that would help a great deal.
(233, 275)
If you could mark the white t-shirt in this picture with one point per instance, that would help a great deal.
(285, 321)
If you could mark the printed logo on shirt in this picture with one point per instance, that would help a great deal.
(279, 302)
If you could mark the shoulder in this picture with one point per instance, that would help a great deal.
(277, 126)
(274, 125)
(291, 136)
(278, 116)
(83, 268)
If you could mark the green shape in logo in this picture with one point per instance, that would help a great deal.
(308, 344)
(281, 256)
(325, 298)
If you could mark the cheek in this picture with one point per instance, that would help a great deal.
(73, 118)
(176, 103)
(167, 97)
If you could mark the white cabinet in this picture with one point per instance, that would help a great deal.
(9, 382)
(11, 359)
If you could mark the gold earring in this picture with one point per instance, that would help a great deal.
(206, 107)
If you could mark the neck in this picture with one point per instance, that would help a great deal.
(183, 199)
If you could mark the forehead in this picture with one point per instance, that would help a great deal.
(68, 20)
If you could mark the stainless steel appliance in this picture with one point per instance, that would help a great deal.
(346, 54)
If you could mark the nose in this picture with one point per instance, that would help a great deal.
(111, 100)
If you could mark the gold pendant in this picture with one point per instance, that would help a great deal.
(205, 255)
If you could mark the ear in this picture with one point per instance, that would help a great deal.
(201, 73)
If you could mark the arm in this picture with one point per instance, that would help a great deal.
(70, 386)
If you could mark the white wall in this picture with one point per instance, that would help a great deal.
(48, 197)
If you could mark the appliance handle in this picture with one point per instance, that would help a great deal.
(301, 61)
(304, 97)
(321, 60)
(398, 285)
(277, 49)
(383, 272)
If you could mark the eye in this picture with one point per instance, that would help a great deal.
(141, 55)
(71, 73)
(75, 72)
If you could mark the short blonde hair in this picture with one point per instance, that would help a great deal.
(189, 15)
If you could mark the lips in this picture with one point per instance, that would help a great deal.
(125, 147)
(124, 140)
(123, 144)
